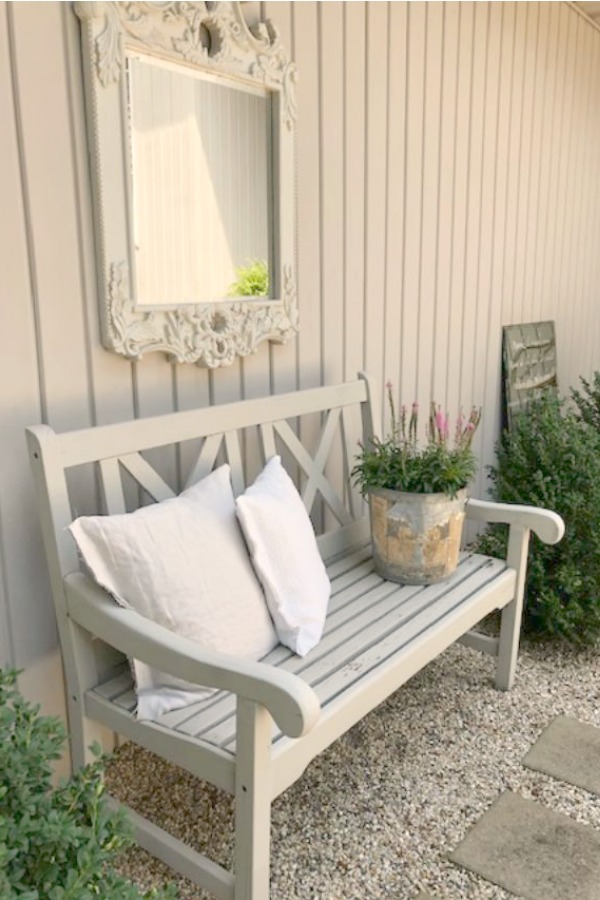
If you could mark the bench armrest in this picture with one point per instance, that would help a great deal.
(292, 703)
(548, 525)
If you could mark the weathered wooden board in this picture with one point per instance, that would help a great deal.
(529, 365)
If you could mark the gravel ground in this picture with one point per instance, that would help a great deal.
(376, 815)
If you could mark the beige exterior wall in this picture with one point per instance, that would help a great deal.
(449, 183)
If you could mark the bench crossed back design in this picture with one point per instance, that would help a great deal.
(267, 720)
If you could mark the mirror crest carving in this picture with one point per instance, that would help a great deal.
(191, 48)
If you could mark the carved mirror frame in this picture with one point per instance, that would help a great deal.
(215, 38)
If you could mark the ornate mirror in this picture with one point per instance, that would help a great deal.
(191, 117)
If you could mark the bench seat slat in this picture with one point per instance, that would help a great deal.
(375, 644)
(116, 686)
(119, 689)
(354, 670)
(363, 622)
(222, 704)
(403, 619)
(366, 614)
(280, 656)
(127, 700)
(344, 589)
(290, 757)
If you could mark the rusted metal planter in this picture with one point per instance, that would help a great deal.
(416, 537)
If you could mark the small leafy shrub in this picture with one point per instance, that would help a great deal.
(551, 458)
(399, 463)
(251, 280)
(55, 843)
(587, 401)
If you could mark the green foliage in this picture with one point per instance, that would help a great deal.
(55, 843)
(588, 401)
(398, 463)
(251, 280)
(551, 458)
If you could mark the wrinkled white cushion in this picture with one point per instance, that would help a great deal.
(286, 558)
(182, 563)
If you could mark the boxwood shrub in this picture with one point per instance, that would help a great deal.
(587, 401)
(56, 843)
(551, 458)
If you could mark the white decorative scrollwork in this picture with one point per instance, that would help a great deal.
(219, 37)
(212, 334)
(109, 59)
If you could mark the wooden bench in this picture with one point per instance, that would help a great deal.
(269, 719)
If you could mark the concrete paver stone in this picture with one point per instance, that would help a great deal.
(568, 750)
(533, 851)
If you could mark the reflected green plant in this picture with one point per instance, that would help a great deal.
(252, 280)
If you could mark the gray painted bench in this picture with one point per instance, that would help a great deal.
(269, 719)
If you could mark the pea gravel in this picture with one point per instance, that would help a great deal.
(377, 814)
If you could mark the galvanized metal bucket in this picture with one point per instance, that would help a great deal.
(416, 537)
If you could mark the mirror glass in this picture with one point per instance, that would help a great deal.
(202, 197)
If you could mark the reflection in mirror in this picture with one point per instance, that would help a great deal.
(201, 193)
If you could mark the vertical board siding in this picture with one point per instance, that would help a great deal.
(24, 594)
(352, 212)
(448, 183)
(376, 168)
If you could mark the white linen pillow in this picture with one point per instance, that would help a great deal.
(286, 558)
(182, 563)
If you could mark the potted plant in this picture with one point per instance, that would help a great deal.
(417, 493)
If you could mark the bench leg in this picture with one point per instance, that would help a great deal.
(510, 628)
(81, 674)
(253, 790)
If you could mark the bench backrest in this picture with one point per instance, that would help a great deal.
(316, 431)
